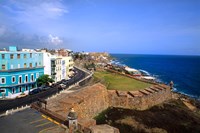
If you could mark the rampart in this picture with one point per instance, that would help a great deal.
(87, 102)
(92, 100)
(141, 99)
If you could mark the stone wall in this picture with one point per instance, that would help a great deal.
(92, 100)
(140, 100)
(87, 102)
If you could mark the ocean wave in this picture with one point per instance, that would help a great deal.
(186, 76)
(189, 95)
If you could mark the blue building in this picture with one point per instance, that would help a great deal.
(19, 71)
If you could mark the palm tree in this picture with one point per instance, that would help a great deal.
(44, 80)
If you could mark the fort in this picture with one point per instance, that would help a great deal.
(92, 100)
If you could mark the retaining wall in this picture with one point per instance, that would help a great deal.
(140, 100)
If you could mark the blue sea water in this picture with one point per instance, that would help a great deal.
(184, 71)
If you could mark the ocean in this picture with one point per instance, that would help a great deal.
(184, 71)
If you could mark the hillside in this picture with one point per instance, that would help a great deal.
(172, 117)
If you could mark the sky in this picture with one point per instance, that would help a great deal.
(114, 26)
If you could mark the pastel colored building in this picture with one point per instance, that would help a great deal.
(47, 62)
(61, 67)
(19, 71)
(69, 64)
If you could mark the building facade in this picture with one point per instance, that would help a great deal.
(47, 62)
(69, 63)
(19, 71)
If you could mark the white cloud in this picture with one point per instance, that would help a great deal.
(10, 36)
(55, 40)
(26, 10)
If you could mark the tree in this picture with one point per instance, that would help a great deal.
(44, 80)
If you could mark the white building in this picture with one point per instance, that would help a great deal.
(63, 69)
(47, 63)
(58, 67)
(69, 63)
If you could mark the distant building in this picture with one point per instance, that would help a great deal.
(69, 64)
(47, 62)
(53, 69)
(19, 71)
(63, 52)
(54, 66)
(58, 69)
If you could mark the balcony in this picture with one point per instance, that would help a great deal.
(21, 69)
(20, 84)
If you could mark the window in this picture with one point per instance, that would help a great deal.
(24, 65)
(20, 89)
(30, 65)
(11, 66)
(37, 75)
(18, 56)
(13, 90)
(3, 56)
(3, 66)
(36, 64)
(30, 55)
(20, 79)
(18, 65)
(32, 77)
(13, 79)
(3, 80)
(11, 56)
(26, 88)
(24, 56)
(33, 85)
(39, 63)
(26, 78)
(3, 91)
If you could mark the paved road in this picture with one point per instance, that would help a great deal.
(27, 121)
(9, 104)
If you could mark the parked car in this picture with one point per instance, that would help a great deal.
(63, 80)
(35, 91)
(59, 82)
(21, 95)
(63, 86)
(65, 83)
(44, 88)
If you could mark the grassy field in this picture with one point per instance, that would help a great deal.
(119, 82)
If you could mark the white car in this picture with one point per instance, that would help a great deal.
(21, 95)
(63, 86)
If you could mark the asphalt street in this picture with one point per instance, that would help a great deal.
(27, 121)
(30, 120)
(14, 103)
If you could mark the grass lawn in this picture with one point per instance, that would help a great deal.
(119, 82)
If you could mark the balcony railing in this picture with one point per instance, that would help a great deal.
(21, 69)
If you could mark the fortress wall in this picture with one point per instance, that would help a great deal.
(140, 100)
(92, 100)
(87, 102)
(94, 103)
